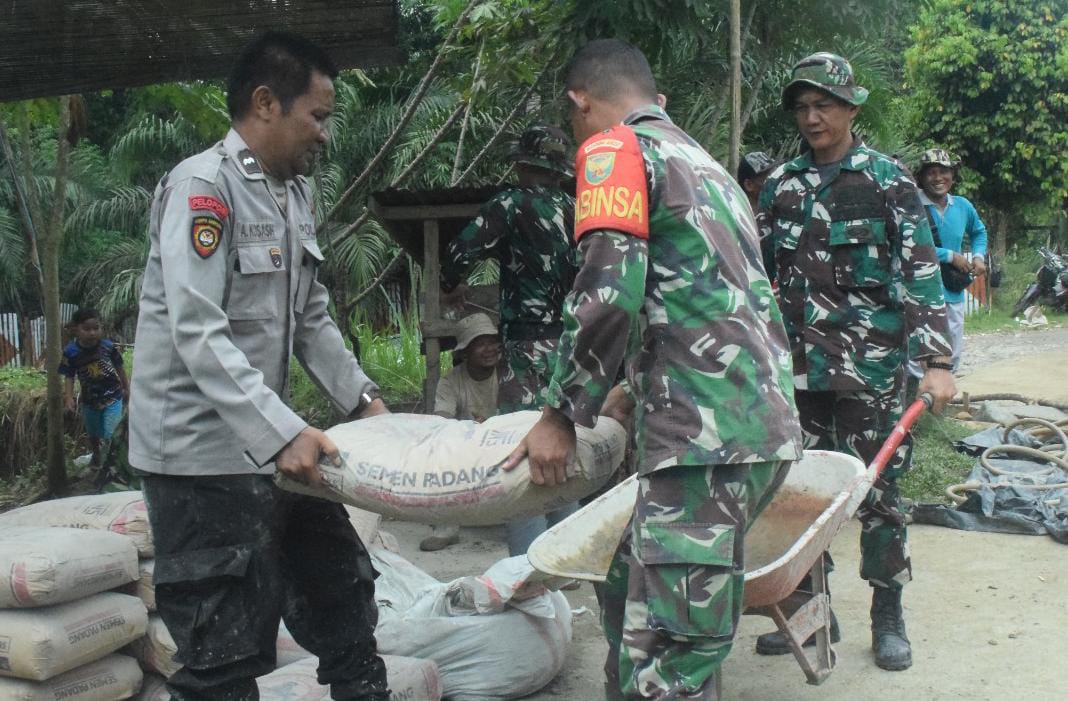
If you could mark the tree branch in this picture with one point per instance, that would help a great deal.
(506, 123)
(406, 118)
(404, 175)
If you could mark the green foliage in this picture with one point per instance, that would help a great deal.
(935, 463)
(990, 83)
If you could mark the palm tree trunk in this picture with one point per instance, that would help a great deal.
(736, 86)
(53, 241)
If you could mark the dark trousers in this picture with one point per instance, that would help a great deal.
(234, 555)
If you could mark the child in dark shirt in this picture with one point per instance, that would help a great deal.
(97, 364)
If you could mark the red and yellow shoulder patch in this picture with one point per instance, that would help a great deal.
(612, 191)
(210, 204)
(207, 234)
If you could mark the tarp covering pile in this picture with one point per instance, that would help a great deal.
(1007, 503)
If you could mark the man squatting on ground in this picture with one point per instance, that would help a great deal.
(230, 293)
(671, 286)
(528, 230)
(860, 292)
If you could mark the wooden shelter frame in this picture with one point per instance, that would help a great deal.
(423, 230)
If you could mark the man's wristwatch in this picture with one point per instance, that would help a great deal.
(939, 365)
(365, 401)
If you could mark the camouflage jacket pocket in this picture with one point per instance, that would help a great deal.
(860, 253)
(688, 571)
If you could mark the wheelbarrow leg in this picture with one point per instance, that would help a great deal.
(810, 613)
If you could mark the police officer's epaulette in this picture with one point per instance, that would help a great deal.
(203, 166)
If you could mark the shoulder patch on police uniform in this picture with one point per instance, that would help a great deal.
(206, 234)
(612, 191)
(210, 204)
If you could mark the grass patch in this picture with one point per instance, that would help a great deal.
(935, 462)
(394, 361)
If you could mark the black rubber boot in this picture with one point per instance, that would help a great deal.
(888, 639)
(776, 643)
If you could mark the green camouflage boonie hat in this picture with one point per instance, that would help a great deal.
(827, 72)
(936, 157)
(545, 147)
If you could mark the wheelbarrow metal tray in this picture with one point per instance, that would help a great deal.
(820, 493)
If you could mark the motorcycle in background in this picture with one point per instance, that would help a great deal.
(1050, 284)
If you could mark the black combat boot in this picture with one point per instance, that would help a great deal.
(776, 643)
(888, 639)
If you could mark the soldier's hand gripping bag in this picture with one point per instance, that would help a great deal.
(429, 469)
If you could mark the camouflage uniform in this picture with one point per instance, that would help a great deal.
(528, 231)
(859, 288)
(682, 301)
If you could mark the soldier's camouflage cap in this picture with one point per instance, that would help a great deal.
(827, 72)
(545, 147)
(753, 164)
(936, 157)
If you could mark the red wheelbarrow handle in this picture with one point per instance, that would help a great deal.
(901, 429)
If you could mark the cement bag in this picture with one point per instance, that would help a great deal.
(119, 512)
(480, 656)
(409, 680)
(156, 649)
(287, 650)
(153, 688)
(107, 679)
(41, 643)
(429, 469)
(44, 566)
(144, 589)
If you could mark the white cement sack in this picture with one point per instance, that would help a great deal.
(366, 523)
(153, 688)
(119, 512)
(107, 679)
(41, 643)
(144, 589)
(287, 650)
(409, 680)
(41, 566)
(156, 649)
(429, 469)
(480, 656)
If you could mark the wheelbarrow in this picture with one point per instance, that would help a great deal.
(787, 541)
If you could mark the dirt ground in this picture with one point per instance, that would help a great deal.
(986, 612)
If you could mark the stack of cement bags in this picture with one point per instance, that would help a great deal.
(59, 624)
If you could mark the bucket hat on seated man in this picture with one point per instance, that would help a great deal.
(827, 72)
(471, 327)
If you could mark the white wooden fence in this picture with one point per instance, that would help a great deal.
(22, 341)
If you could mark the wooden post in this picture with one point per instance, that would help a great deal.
(736, 87)
(431, 310)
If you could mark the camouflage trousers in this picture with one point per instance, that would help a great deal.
(859, 423)
(673, 595)
(527, 367)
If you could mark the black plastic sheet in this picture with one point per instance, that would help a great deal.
(1013, 507)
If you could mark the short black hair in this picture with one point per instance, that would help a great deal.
(282, 61)
(82, 315)
(606, 68)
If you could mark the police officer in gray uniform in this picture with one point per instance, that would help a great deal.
(229, 295)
